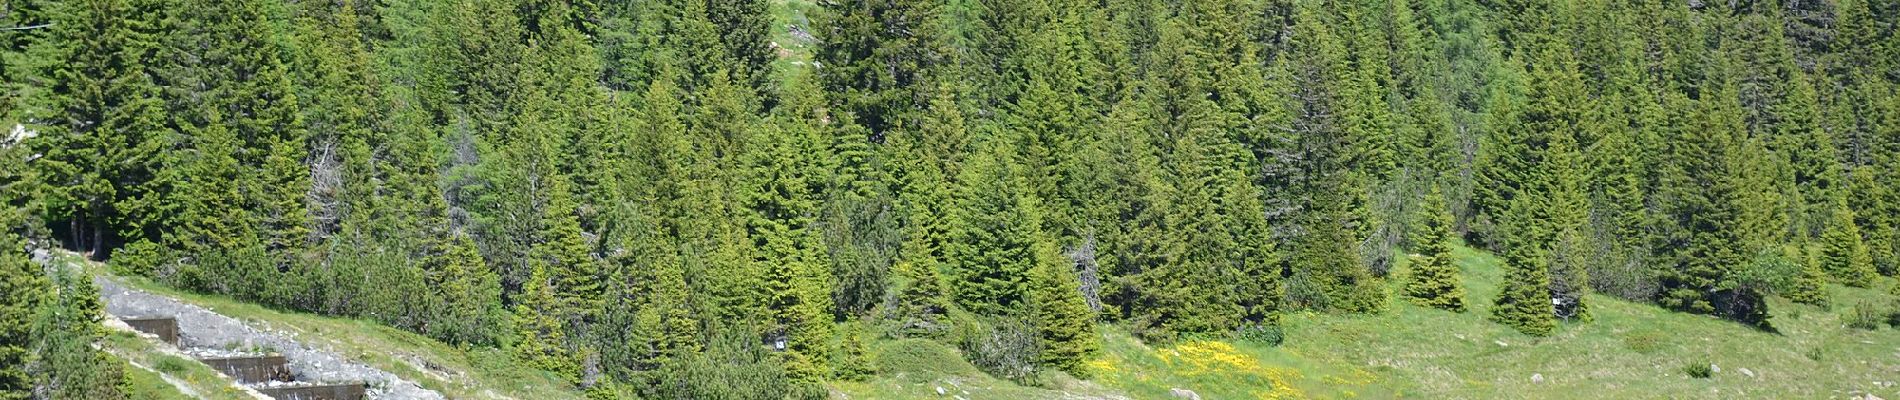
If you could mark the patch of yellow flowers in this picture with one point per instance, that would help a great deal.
(1223, 361)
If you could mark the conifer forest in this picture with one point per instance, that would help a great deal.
(781, 199)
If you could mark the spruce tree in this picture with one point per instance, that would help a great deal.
(471, 296)
(1328, 270)
(1435, 280)
(1524, 304)
(1064, 324)
(876, 56)
(542, 340)
(992, 230)
(103, 120)
(1875, 215)
(65, 330)
(798, 288)
(921, 305)
(924, 195)
(1843, 253)
(666, 314)
(1810, 287)
(1571, 255)
(1704, 253)
(22, 290)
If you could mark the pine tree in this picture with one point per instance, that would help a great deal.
(875, 60)
(1435, 279)
(745, 28)
(541, 332)
(1704, 173)
(1524, 304)
(203, 185)
(1328, 271)
(1064, 324)
(1843, 253)
(1570, 255)
(666, 314)
(1811, 286)
(1875, 215)
(921, 305)
(992, 231)
(798, 288)
(471, 296)
(104, 122)
(22, 290)
(854, 361)
(65, 329)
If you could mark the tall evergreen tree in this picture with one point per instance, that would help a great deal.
(540, 330)
(874, 59)
(22, 290)
(992, 232)
(104, 121)
(1875, 216)
(1064, 323)
(1525, 303)
(1844, 254)
(1435, 280)
(471, 296)
(1810, 287)
(1704, 174)
(1328, 270)
(798, 289)
(65, 330)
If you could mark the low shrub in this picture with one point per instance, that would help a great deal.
(1864, 315)
(1270, 335)
(139, 258)
(1003, 347)
(1699, 369)
(171, 365)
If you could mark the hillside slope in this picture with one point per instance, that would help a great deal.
(457, 373)
(1629, 351)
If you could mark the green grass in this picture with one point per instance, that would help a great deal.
(794, 55)
(147, 385)
(456, 372)
(1630, 350)
(150, 362)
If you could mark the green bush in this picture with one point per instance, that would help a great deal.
(733, 366)
(171, 365)
(1699, 369)
(139, 258)
(1270, 335)
(1865, 315)
(1004, 347)
(1893, 316)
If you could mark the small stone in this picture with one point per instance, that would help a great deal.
(1501, 343)
(1537, 378)
(940, 391)
(1180, 393)
(1746, 372)
(1715, 369)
